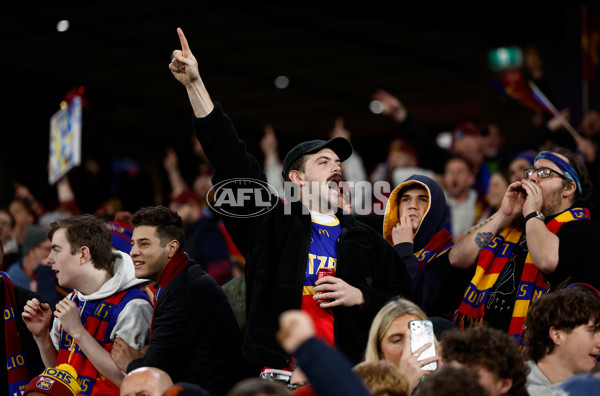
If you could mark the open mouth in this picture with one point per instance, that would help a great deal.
(138, 264)
(334, 183)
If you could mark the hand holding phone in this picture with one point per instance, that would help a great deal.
(421, 333)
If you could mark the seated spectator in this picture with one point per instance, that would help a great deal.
(519, 163)
(451, 381)
(492, 354)
(34, 272)
(464, 203)
(382, 378)
(35, 251)
(148, 381)
(562, 337)
(401, 162)
(496, 190)
(22, 211)
(389, 339)
(54, 381)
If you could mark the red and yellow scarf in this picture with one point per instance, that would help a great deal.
(437, 246)
(16, 366)
(490, 263)
(99, 317)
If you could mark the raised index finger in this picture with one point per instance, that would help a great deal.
(185, 48)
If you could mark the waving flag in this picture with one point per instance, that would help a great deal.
(512, 83)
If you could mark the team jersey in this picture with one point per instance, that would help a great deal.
(322, 253)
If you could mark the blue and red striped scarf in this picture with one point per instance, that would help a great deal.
(490, 263)
(16, 366)
(437, 246)
(99, 317)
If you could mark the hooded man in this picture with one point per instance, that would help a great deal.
(415, 224)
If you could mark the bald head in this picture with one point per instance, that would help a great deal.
(149, 381)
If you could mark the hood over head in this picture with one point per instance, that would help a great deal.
(434, 218)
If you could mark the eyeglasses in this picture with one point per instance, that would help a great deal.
(542, 173)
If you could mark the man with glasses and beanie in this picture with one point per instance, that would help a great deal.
(543, 235)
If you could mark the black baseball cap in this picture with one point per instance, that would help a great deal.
(338, 145)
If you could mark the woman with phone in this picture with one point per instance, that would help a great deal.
(390, 339)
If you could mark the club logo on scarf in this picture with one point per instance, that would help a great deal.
(45, 383)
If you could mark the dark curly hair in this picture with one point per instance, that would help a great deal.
(450, 381)
(563, 309)
(169, 225)
(489, 348)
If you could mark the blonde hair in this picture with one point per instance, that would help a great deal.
(393, 309)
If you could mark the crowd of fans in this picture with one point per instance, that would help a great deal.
(491, 240)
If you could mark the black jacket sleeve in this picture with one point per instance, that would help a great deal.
(328, 371)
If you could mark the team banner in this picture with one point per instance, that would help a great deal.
(65, 140)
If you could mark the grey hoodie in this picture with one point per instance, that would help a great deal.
(133, 323)
(537, 382)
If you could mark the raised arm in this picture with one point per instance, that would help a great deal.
(541, 242)
(185, 69)
(171, 165)
(464, 253)
(329, 371)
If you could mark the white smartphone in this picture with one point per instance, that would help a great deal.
(421, 333)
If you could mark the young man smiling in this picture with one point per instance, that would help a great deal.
(562, 337)
(194, 335)
(286, 246)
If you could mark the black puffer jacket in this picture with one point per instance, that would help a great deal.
(275, 245)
